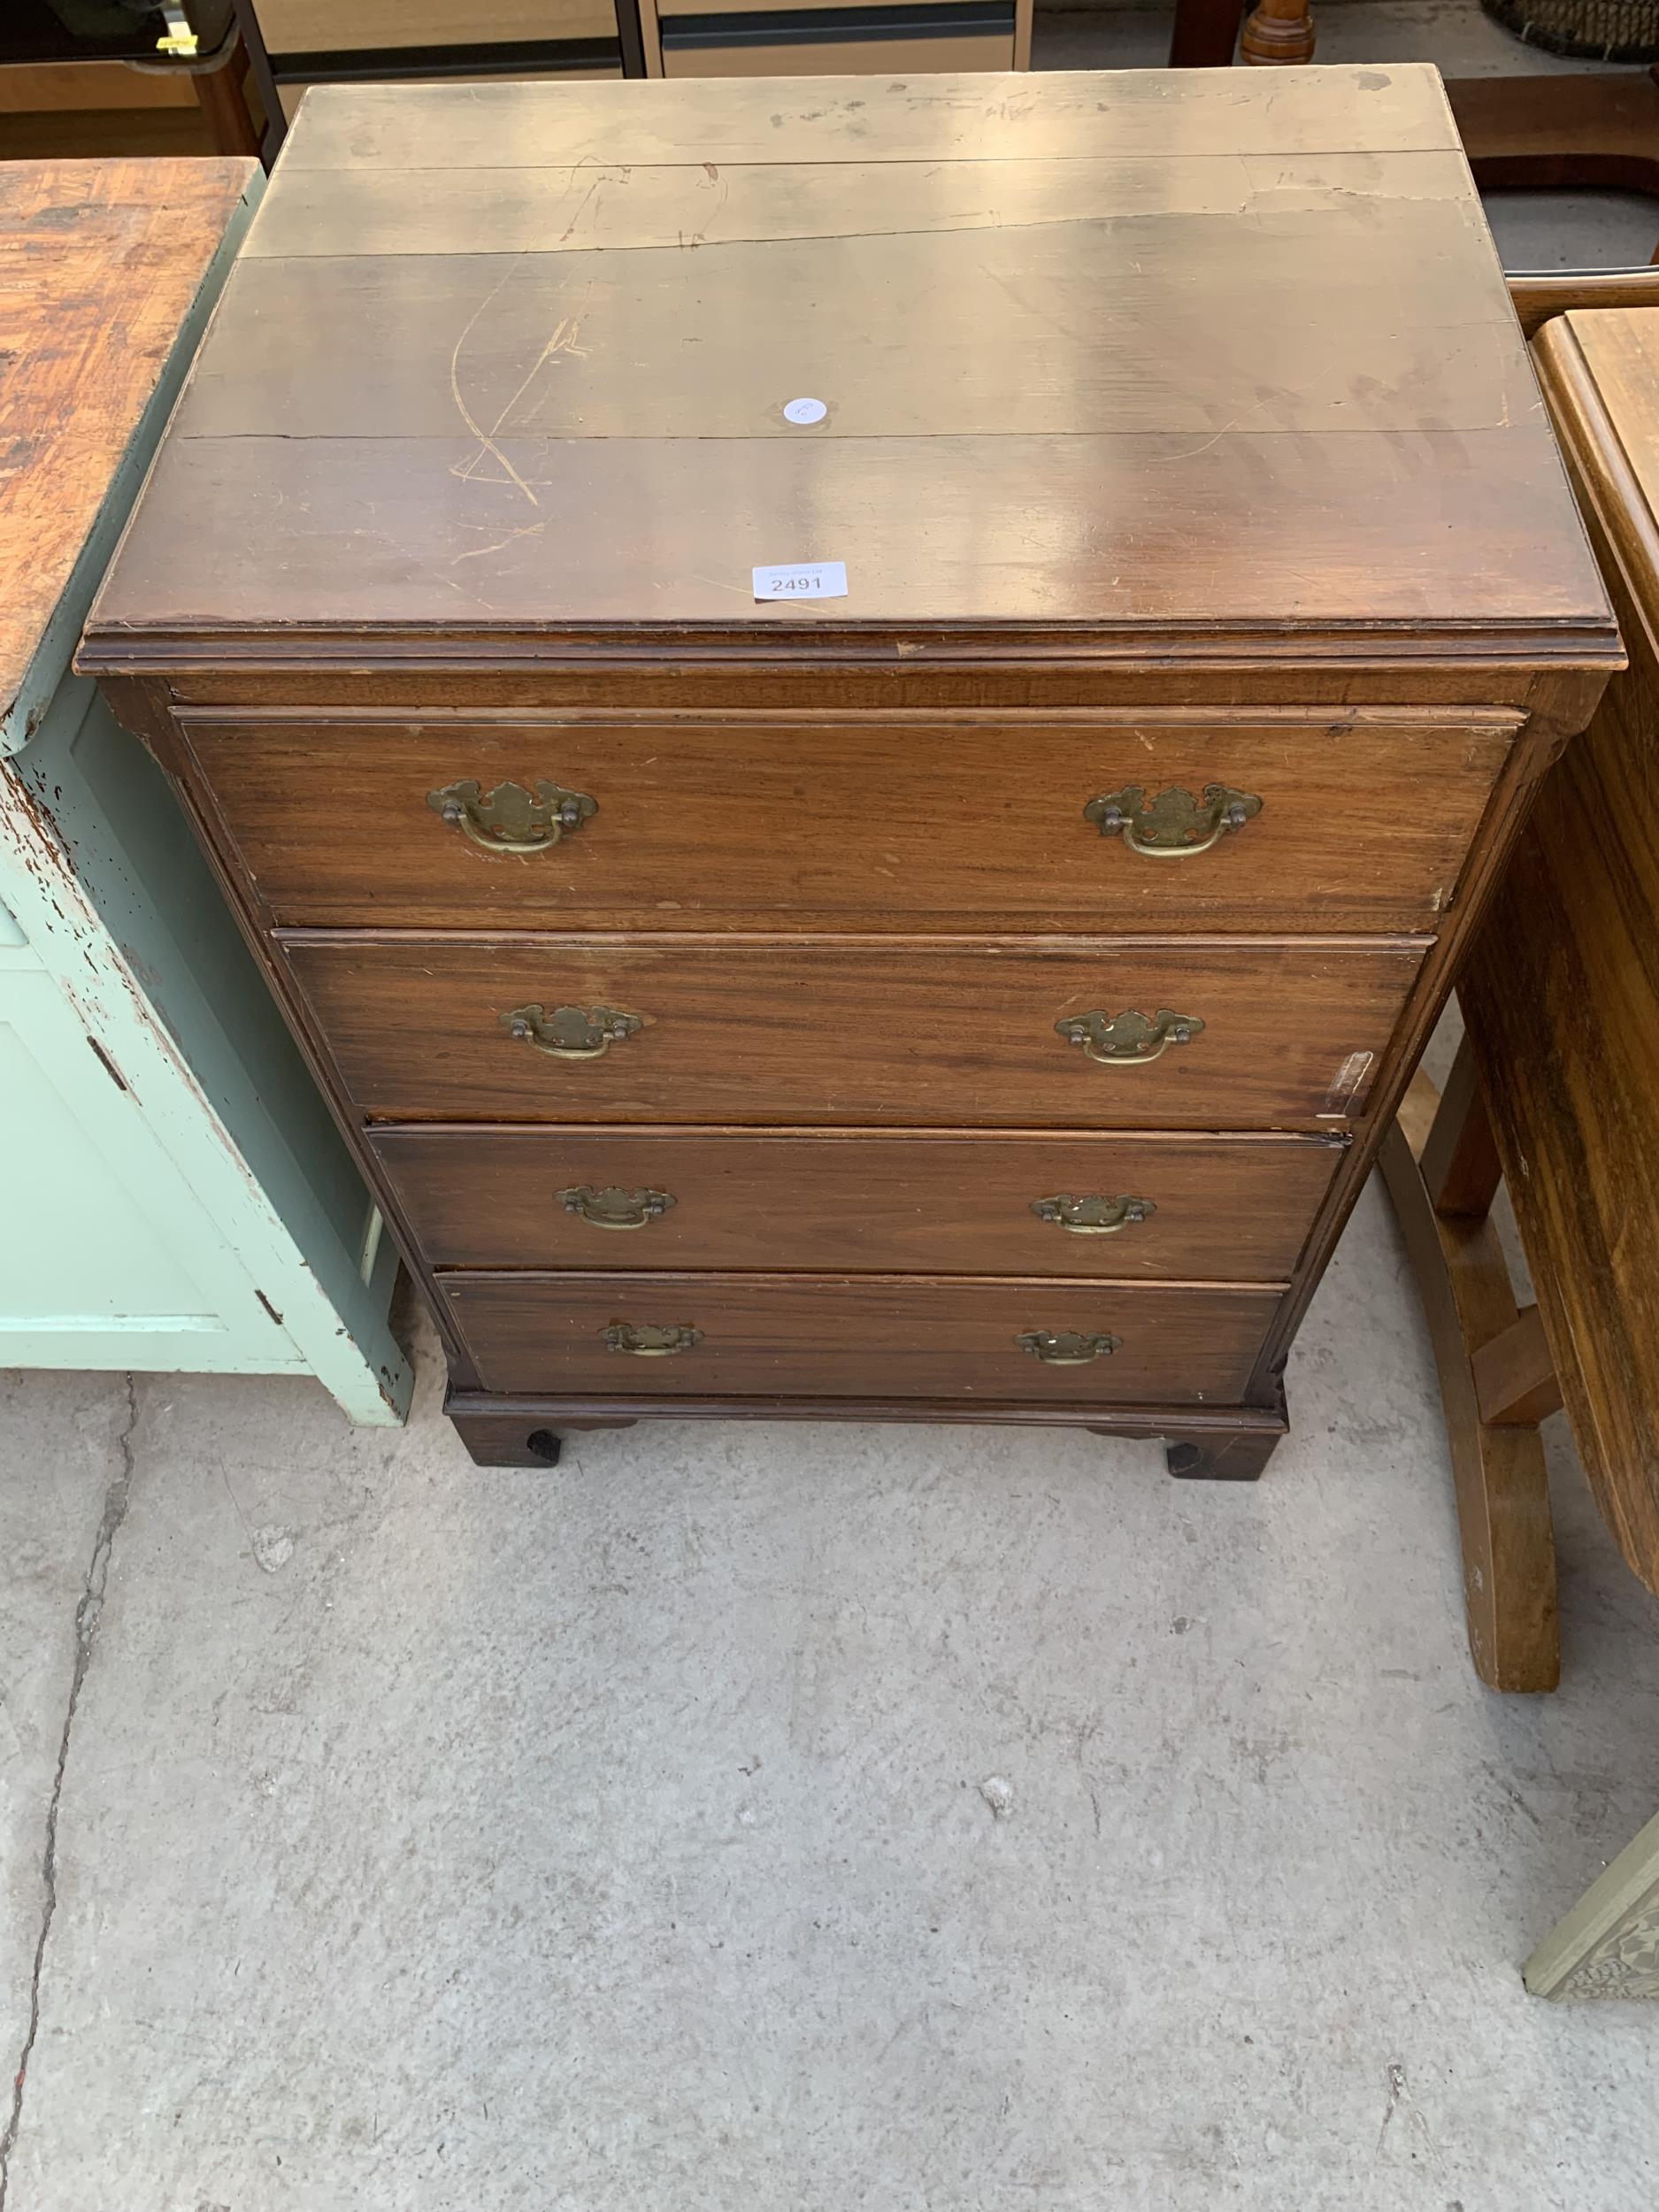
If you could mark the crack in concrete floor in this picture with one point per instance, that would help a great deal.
(88, 1613)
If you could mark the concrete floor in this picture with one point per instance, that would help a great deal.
(805, 1817)
(809, 1819)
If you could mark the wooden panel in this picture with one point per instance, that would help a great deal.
(562, 208)
(1381, 110)
(1499, 1477)
(323, 26)
(1616, 355)
(98, 266)
(1562, 1002)
(999, 532)
(1232, 1208)
(69, 87)
(836, 57)
(1572, 132)
(846, 1031)
(1562, 995)
(1038, 326)
(849, 823)
(872, 1335)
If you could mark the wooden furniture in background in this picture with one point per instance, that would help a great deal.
(1556, 1087)
(804, 38)
(1563, 132)
(1556, 1091)
(1278, 33)
(977, 997)
(294, 45)
(177, 1196)
(114, 82)
(1208, 34)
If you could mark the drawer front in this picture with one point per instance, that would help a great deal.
(755, 1030)
(757, 821)
(860, 1336)
(1228, 1208)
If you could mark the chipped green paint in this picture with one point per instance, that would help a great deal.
(178, 1196)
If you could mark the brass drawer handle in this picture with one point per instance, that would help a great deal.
(1129, 1040)
(1093, 1216)
(646, 1340)
(1175, 826)
(509, 819)
(614, 1208)
(569, 1033)
(1067, 1349)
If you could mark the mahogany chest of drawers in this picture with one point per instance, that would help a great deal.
(859, 721)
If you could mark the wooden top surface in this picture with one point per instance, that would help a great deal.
(99, 263)
(1601, 372)
(1197, 351)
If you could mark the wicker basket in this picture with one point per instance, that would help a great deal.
(1590, 30)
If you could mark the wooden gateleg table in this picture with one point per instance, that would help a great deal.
(1556, 1092)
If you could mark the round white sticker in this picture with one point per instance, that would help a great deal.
(804, 411)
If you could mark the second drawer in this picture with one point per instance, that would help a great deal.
(1016, 1033)
(1151, 1208)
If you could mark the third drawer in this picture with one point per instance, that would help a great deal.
(1140, 1206)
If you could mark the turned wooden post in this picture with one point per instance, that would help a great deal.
(1278, 33)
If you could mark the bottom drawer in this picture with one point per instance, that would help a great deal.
(873, 1336)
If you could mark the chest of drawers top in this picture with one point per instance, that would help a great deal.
(1206, 364)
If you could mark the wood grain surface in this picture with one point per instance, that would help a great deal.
(1498, 1473)
(1438, 533)
(1598, 369)
(924, 1033)
(1178, 418)
(873, 1335)
(564, 207)
(1562, 1002)
(517, 356)
(321, 26)
(99, 261)
(660, 341)
(1561, 997)
(857, 822)
(1230, 1209)
(1062, 114)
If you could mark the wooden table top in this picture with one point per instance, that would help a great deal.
(1602, 371)
(1190, 352)
(99, 263)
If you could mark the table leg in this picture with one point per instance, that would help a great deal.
(1206, 34)
(220, 96)
(1497, 1459)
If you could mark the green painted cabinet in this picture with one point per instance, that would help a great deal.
(177, 1194)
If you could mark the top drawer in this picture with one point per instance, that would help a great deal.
(1288, 820)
